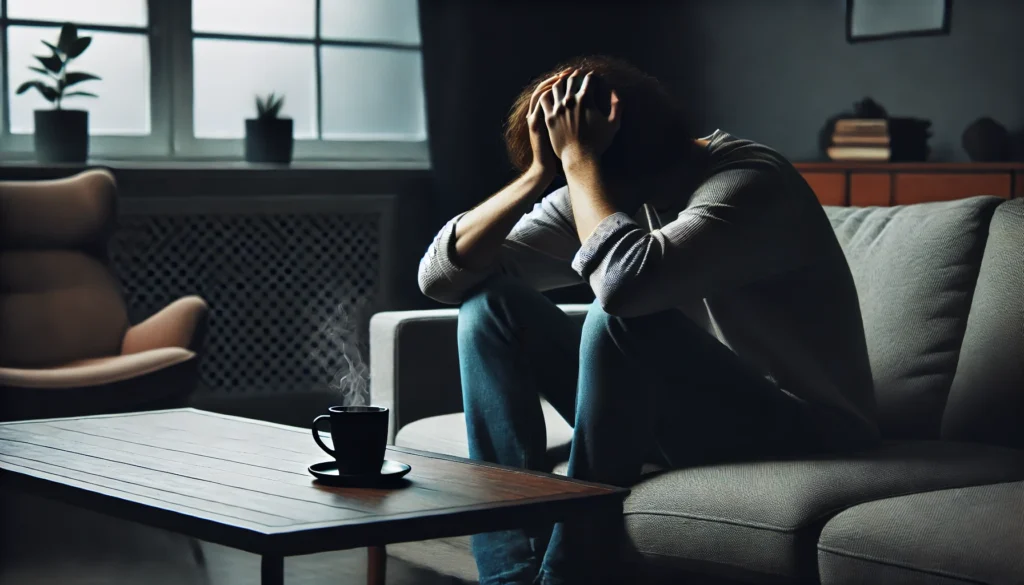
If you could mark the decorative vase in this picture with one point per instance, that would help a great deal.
(62, 136)
(269, 140)
(986, 140)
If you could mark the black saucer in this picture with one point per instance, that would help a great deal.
(327, 473)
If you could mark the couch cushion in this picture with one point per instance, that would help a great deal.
(986, 401)
(447, 434)
(760, 521)
(971, 535)
(915, 268)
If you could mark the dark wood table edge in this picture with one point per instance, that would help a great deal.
(111, 505)
(394, 448)
(608, 488)
(288, 541)
(399, 449)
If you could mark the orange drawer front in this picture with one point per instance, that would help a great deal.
(829, 187)
(868, 189)
(923, 187)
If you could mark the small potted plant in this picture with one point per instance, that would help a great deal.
(61, 135)
(268, 138)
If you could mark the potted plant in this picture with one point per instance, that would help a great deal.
(268, 138)
(61, 135)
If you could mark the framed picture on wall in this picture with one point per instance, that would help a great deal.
(871, 20)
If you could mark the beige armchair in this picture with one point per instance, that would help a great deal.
(66, 346)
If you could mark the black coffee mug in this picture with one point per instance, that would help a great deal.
(359, 435)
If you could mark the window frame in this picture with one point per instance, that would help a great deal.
(157, 144)
(172, 136)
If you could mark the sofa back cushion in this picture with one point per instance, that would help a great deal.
(986, 401)
(915, 267)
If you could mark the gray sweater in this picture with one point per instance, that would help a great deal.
(750, 256)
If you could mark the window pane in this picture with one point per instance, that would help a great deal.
(112, 12)
(228, 75)
(372, 94)
(376, 20)
(121, 60)
(294, 18)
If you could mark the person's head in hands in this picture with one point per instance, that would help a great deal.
(641, 130)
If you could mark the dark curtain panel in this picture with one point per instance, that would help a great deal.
(477, 56)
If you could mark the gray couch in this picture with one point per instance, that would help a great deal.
(942, 501)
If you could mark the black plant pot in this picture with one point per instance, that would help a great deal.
(62, 136)
(269, 141)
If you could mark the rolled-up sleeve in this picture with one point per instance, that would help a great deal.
(539, 249)
(732, 235)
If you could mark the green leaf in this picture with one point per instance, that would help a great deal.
(275, 109)
(40, 70)
(68, 36)
(74, 78)
(52, 63)
(269, 106)
(48, 92)
(50, 46)
(80, 93)
(79, 47)
(26, 86)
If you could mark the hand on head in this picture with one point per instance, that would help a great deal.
(566, 123)
(544, 159)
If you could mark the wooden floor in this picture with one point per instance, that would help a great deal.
(42, 543)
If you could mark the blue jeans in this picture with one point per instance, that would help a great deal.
(655, 388)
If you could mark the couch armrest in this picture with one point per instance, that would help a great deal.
(179, 324)
(414, 363)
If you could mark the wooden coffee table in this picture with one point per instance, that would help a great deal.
(243, 483)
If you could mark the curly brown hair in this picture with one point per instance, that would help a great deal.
(655, 131)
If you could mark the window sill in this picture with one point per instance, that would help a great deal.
(227, 165)
(209, 178)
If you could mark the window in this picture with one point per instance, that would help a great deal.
(122, 119)
(314, 52)
(350, 71)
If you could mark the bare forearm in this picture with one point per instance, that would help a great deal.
(481, 231)
(589, 195)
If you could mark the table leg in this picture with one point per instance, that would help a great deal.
(272, 570)
(376, 565)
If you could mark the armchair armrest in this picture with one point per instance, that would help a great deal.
(414, 363)
(179, 324)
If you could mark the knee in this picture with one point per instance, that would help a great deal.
(604, 332)
(599, 322)
(601, 332)
(492, 304)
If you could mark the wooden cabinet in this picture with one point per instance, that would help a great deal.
(829, 187)
(920, 187)
(868, 184)
(870, 188)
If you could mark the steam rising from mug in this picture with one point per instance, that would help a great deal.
(343, 333)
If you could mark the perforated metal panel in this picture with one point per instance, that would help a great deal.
(290, 294)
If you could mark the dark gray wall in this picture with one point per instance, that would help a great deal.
(774, 71)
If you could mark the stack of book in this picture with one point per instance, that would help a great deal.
(861, 139)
